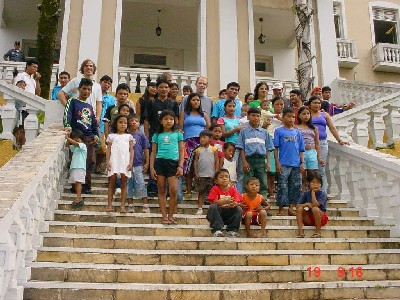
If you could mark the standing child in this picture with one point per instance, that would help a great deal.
(216, 139)
(312, 153)
(78, 164)
(228, 162)
(311, 207)
(244, 120)
(205, 165)
(166, 163)
(224, 209)
(136, 184)
(253, 211)
(289, 162)
(119, 159)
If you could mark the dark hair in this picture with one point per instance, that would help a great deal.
(114, 124)
(258, 85)
(133, 116)
(234, 84)
(85, 81)
(31, 62)
(264, 101)
(314, 175)
(220, 171)
(64, 73)
(309, 123)
(173, 84)
(162, 80)
(221, 91)
(83, 64)
(227, 144)
(246, 97)
(326, 89)
(206, 132)
(146, 95)
(213, 126)
(125, 105)
(229, 101)
(122, 86)
(188, 107)
(276, 99)
(253, 110)
(252, 179)
(187, 88)
(106, 78)
(287, 111)
(312, 98)
(163, 114)
(297, 92)
(76, 133)
(20, 81)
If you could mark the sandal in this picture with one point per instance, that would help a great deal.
(291, 212)
(110, 209)
(280, 214)
(122, 210)
(165, 222)
(301, 236)
(77, 204)
(172, 221)
(316, 235)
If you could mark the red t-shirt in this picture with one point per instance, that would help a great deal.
(220, 146)
(216, 193)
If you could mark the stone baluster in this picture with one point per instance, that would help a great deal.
(31, 124)
(384, 191)
(184, 81)
(342, 129)
(339, 173)
(366, 186)
(54, 73)
(9, 76)
(392, 123)
(132, 81)
(360, 131)
(192, 82)
(376, 128)
(353, 176)
(9, 117)
(143, 82)
(394, 204)
(329, 171)
(123, 78)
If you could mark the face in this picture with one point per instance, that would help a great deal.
(288, 119)
(250, 98)
(32, 69)
(223, 179)
(204, 140)
(163, 90)
(121, 96)
(254, 119)
(134, 123)
(152, 90)
(88, 69)
(326, 95)
(21, 85)
(315, 105)
(17, 46)
(217, 133)
(278, 106)
(84, 91)
(232, 92)
(124, 111)
(262, 91)
(229, 152)
(64, 79)
(201, 85)
(195, 102)
(294, 99)
(167, 122)
(169, 78)
(305, 116)
(253, 186)
(277, 92)
(317, 93)
(222, 95)
(105, 85)
(185, 92)
(314, 184)
(244, 110)
(174, 91)
(230, 108)
(265, 105)
(122, 124)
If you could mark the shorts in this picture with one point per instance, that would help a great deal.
(311, 159)
(254, 219)
(204, 184)
(165, 167)
(103, 146)
(324, 220)
(77, 175)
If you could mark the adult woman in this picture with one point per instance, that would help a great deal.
(193, 120)
(321, 120)
(149, 94)
(260, 94)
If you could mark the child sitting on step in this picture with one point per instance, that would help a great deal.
(311, 206)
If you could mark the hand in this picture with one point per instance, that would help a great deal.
(341, 142)
(233, 204)
(197, 177)
(267, 166)
(108, 167)
(351, 105)
(153, 174)
(278, 168)
(129, 168)
(179, 172)
(266, 123)
(321, 162)
(246, 166)
(145, 167)
(67, 130)
(302, 167)
(238, 128)
(37, 76)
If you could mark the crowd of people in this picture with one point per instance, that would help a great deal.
(235, 154)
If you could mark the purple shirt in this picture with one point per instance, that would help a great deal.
(140, 142)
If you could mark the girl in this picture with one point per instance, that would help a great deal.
(119, 159)
(173, 93)
(260, 94)
(312, 154)
(227, 161)
(193, 121)
(125, 110)
(166, 163)
(148, 96)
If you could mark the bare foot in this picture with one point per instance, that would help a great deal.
(109, 209)
(122, 210)
(260, 235)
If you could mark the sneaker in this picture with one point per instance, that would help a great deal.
(152, 194)
(218, 233)
(86, 191)
(233, 234)
(146, 209)
(199, 211)
(117, 192)
(131, 208)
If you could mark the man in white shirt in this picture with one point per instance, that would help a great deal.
(31, 77)
(88, 69)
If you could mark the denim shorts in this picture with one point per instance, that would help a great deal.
(136, 184)
(311, 159)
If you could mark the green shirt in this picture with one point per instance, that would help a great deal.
(168, 144)
(79, 154)
(255, 104)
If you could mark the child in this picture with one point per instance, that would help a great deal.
(243, 120)
(205, 165)
(312, 153)
(119, 159)
(186, 90)
(224, 209)
(227, 162)
(216, 139)
(253, 212)
(79, 115)
(289, 162)
(78, 164)
(136, 184)
(266, 112)
(255, 144)
(166, 163)
(63, 78)
(311, 207)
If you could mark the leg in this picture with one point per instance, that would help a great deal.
(261, 174)
(189, 182)
(294, 189)
(173, 187)
(124, 181)
(232, 218)
(200, 199)
(214, 217)
(283, 189)
(299, 218)
(130, 189)
(111, 187)
(90, 160)
(262, 216)
(321, 170)
(247, 222)
(317, 214)
(271, 185)
(162, 199)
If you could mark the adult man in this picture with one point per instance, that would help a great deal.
(232, 90)
(296, 102)
(277, 90)
(63, 79)
(15, 54)
(331, 108)
(206, 102)
(87, 69)
(31, 77)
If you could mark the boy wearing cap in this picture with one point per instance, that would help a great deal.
(15, 54)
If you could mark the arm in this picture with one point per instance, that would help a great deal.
(146, 160)
(106, 129)
(278, 165)
(131, 155)
(146, 127)
(314, 201)
(231, 132)
(38, 88)
(318, 147)
(62, 96)
(334, 131)
(68, 114)
(301, 161)
(108, 154)
(71, 141)
(207, 118)
(266, 205)
(99, 108)
(181, 119)
(137, 107)
(246, 166)
(221, 162)
(179, 171)
(216, 160)
(196, 165)
(152, 158)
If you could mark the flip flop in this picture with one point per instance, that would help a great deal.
(77, 204)
(316, 235)
(280, 214)
(165, 222)
(172, 221)
(122, 210)
(109, 209)
(300, 236)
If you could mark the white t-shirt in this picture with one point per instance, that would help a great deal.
(95, 96)
(29, 81)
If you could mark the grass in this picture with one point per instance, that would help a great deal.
(7, 151)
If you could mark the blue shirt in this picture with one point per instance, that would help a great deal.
(218, 110)
(229, 125)
(290, 144)
(107, 101)
(320, 196)
(254, 141)
(79, 154)
(55, 91)
(140, 142)
(168, 144)
(193, 125)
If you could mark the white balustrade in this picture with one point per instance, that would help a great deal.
(347, 53)
(386, 57)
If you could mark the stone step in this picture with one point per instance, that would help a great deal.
(212, 243)
(186, 208)
(170, 274)
(155, 218)
(383, 289)
(204, 230)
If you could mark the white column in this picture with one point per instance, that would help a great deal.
(117, 43)
(90, 31)
(202, 39)
(251, 45)
(64, 36)
(228, 42)
(329, 67)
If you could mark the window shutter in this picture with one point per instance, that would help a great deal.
(384, 14)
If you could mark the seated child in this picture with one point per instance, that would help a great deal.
(253, 211)
(311, 206)
(224, 209)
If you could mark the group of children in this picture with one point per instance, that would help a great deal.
(280, 149)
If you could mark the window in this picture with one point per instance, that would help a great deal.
(385, 25)
(264, 66)
(338, 19)
(149, 59)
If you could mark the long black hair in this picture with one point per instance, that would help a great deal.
(163, 114)
(188, 106)
(258, 85)
(114, 124)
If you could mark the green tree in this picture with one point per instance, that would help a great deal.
(46, 37)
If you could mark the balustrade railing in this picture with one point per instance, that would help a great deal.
(288, 85)
(346, 48)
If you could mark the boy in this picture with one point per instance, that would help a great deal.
(79, 115)
(253, 211)
(244, 120)
(187, 90)
(289, 162)
(136, 184)
(205, 165)
(255, 144)
(216, 131)
(63, 79)
(78, 164)
(311, 207)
